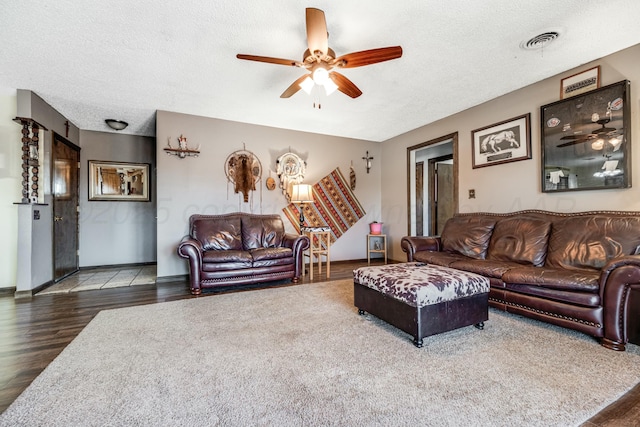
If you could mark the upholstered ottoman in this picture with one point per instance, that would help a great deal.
(421, 299)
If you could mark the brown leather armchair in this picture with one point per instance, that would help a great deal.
(239, 249)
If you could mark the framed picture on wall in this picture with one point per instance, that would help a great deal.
(504, 142)
(580, 83)
(118, 181)
(586, 140)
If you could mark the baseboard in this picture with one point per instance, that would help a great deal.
(5, 292)
(135, 264)
(178, 278)
(24, 294)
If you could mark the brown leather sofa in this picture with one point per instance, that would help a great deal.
(240, 249)
(575, 270)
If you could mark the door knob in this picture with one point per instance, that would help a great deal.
(57, 218)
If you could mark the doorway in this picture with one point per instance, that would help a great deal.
(441, 203)
(432, 198)
(65, 171)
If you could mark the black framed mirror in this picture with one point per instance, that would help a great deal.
(585, 140)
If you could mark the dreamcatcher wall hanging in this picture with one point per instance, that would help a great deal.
(244, 171)
(290, 169)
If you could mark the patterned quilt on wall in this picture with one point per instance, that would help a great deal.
(335, 206)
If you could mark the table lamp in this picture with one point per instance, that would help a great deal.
(301, 194)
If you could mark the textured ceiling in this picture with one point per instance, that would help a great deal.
(124, 59)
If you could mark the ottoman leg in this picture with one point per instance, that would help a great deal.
(417, 342)
(479, 325)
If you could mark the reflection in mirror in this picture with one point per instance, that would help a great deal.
(118, 181)
(585, 141)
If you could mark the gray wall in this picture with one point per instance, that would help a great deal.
(114, 232)
(30, 105)
(511, 186)
(199, 184)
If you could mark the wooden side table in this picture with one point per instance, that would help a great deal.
(376, 243)
(316, 249)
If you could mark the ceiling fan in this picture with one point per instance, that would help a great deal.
(579, 138)
(320, 60)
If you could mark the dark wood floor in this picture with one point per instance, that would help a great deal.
(34, 331)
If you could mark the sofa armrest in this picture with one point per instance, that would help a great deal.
(413, 244)
(616, 279)
(191, 249)
(298, 244)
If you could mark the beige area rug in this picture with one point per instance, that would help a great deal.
(302, 356)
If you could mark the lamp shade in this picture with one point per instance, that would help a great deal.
(301, 193)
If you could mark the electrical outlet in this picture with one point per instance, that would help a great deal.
(472, 194)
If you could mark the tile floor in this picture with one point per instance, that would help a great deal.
(103, 278)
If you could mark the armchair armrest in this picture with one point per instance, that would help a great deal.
(298, 244)
(616, 279)
(413, 244)
(191, 249)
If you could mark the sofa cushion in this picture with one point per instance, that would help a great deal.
(467, 235)
(217, 234)
(554, 278)
(438, 258)
(261, 254)
(590, 242)
(262, 231)
(587, 299)
(522, 240)
(486, 267)
(226, 260)
(216, 256)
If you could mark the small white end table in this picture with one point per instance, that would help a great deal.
(376, 243)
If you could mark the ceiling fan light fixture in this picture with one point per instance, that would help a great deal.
(307, 85)
(320, 76)
(330, 87)
(598, 144)
(615, 142)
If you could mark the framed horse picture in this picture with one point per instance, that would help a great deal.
(504, 142)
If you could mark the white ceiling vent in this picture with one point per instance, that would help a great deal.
(540, 41)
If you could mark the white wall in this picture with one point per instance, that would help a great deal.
(10, 186)
(512, 186)
(115, 232)
(199, 184)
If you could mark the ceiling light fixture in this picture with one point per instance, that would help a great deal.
(116, 124)
(320, 77)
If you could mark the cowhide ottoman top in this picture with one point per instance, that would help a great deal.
(419, 285)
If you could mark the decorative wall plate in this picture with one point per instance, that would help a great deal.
(290, 169)
(271, 184)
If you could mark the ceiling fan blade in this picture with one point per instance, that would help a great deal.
(345, 85)
(578, 137)
(570, 143)
(268, 59)
(367, 57)
(295, 86)
(317, 36)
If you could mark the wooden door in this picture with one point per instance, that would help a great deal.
(441, 193)
(445, 196)
(419, 198)
(65, 161)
